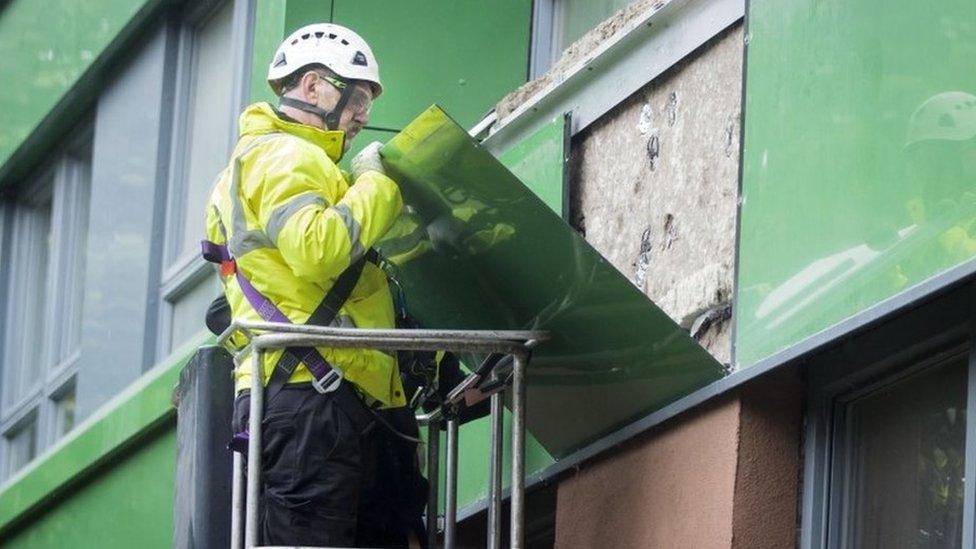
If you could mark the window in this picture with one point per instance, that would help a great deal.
(558, 23)
(189, 309)
(204, 135)
(64, 411)
(888, 439)
(45, 244)
(22, 445)
(29, 251)
(573, 18)
(902, 453)
(209, 129)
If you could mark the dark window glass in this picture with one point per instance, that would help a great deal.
(65, 413)
(905, 461)
(22, 447)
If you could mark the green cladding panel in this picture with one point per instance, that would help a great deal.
(484, 252)
(128, 504)
(44, 48)
(539, 161)
(112, 476)
(859, 160)
(269, 31)
(464, 55)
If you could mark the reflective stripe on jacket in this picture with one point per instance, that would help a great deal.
(294, 224)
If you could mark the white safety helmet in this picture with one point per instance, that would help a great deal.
(947, 116)
(341, 50)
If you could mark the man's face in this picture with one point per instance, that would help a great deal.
(355, 114)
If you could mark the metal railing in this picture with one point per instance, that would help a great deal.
(268, 336)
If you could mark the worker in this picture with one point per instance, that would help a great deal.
(937, 186)
(293, 235)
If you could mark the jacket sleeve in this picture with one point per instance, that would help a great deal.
(317, 235)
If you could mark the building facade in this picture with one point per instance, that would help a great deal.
(792, 184)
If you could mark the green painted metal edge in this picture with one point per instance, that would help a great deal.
(117, 426)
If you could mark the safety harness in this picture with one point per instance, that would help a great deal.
(326, 378)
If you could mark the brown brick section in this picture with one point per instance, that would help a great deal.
(724, 475)
(672, 488)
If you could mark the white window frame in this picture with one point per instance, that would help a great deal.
(67, 184)
(183, 272)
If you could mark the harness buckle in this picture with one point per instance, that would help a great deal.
(329, 382)
(228, 267)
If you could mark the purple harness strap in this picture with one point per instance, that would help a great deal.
(310, 356)
(313, 360)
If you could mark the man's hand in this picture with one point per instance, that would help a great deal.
(368, 159)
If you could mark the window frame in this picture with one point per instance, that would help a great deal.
(66, 184)
(548, 21)
(924, 339)
(38, 191)
(542, 43)
(22, 422)
(183, 272)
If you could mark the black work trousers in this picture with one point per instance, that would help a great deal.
(325, 481)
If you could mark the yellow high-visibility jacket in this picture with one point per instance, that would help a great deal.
(294, 223)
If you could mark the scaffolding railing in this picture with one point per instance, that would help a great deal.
(262, 337)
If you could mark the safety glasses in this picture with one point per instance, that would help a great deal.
(361, 100)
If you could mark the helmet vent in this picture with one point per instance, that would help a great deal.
(342, 50)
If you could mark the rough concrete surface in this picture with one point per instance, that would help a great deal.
(578, 52)
(672, 488)
(723, 475)
(768, 466)
(654, 185)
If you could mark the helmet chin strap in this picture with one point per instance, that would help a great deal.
(330, 119)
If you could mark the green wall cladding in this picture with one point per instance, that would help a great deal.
(497, 257)
(539, 162)
(133, 432)
(859, 160)
(129, 504)
(463, 55)
(44, 48)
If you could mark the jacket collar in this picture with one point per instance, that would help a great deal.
(262, 118)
